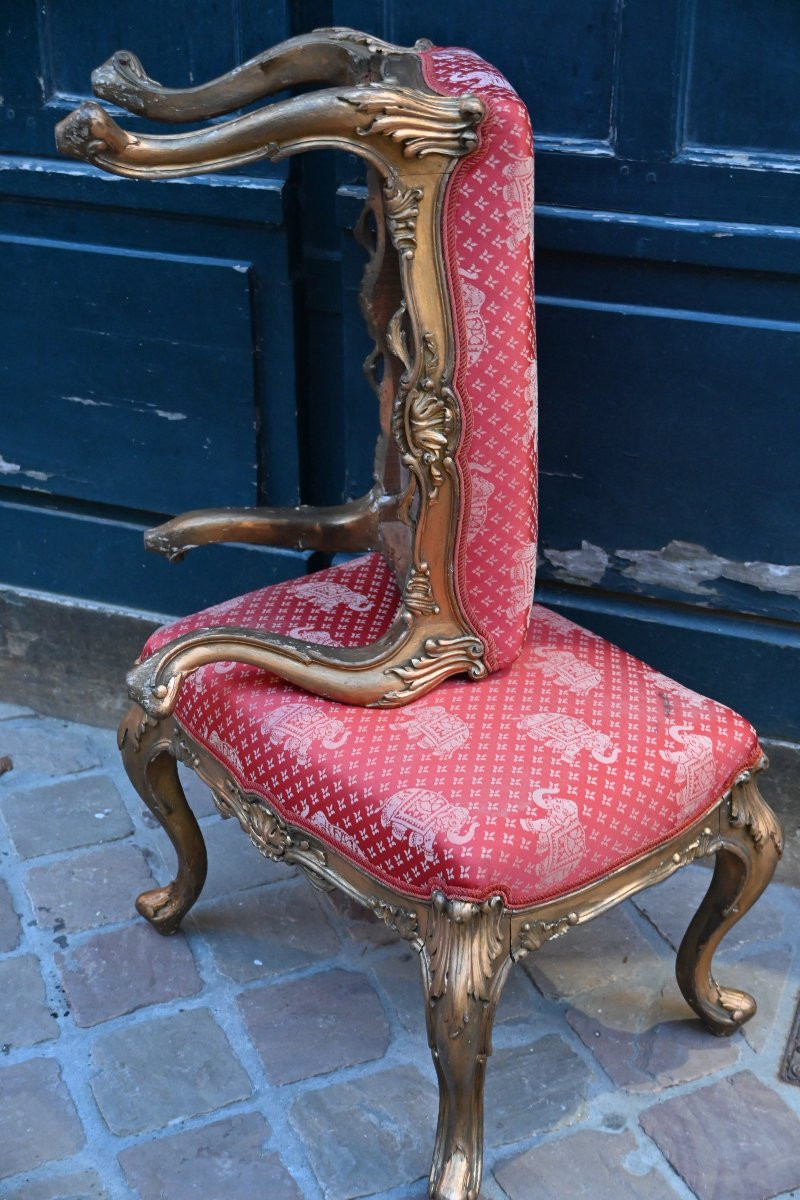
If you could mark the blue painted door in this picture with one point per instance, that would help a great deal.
(174, 345)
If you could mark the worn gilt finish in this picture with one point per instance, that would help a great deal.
(375, 103)
(466, 949)
(380, 108)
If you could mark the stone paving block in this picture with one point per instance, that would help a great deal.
(359, 922)
(530, 1089)
(64, 816)
(591, 955)
(197, 793)
(118, 972)
(234, 864)
(38, 1121)
(672, 904)
(225, 1159)
(584, 1166)
(266, 931)
(45, 746)
(368, 1135)
(733, 1140)
(85, 1185)
(646, 1037)
(88, 890)
(763, 975)
(315, 1025)
(9, 921)
(163, 1070)
(399, 975)
(25, 1019)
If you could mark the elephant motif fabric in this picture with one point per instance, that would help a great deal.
(519, 784)
(522, 784)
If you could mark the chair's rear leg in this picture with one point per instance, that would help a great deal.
(147, 753)
(744, 865)
(465, 960)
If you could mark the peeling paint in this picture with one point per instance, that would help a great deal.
(89, 403)
(41, 476)
(679, 566)
(170, 416)
(585, 566)
(9, 468)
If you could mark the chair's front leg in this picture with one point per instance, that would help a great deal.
(751, 846)
(465, 959)
(148, 750)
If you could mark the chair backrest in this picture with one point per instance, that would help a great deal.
(487, 239)
(448, 298)
(485, 244)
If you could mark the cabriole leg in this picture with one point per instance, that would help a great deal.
(147, 749)
(465, 959)
(752, 845)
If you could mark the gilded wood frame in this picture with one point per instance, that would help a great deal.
(412, 138)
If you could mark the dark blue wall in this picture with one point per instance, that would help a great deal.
(176, 345)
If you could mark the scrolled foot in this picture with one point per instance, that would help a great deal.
(89, 132)
(164, 908)
(120, 80)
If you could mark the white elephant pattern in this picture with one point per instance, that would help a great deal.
(473, 319)
(568, 669)
(569, 735)
(562, 841)
(518, 195)
(225, 751)
(523, 572)
(308, 634)
(323, 593)
(482, 489)
(695, 776)
(297, 726)
(422, 815)
(433, 728)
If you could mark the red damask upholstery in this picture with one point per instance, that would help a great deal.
(545, 776)
(488, 244)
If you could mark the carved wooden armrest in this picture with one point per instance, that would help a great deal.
(403, 664)
(349, 118)
(341, 528)
(324, 57)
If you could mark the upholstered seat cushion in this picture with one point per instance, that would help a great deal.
(530, 783)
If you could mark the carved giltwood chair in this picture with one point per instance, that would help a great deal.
(550, 775)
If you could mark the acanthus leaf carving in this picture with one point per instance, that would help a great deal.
(420, 124)
(431, 424)
(401, 206)
(463, 949)
(533, 934)
(442, 657)
(402, 920)
(268, 832)
(747, 809)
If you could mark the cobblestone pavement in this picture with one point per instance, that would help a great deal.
(276, 1048)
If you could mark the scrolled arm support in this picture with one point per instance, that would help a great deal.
(353, 675)
(319, 57)
(345, 528)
